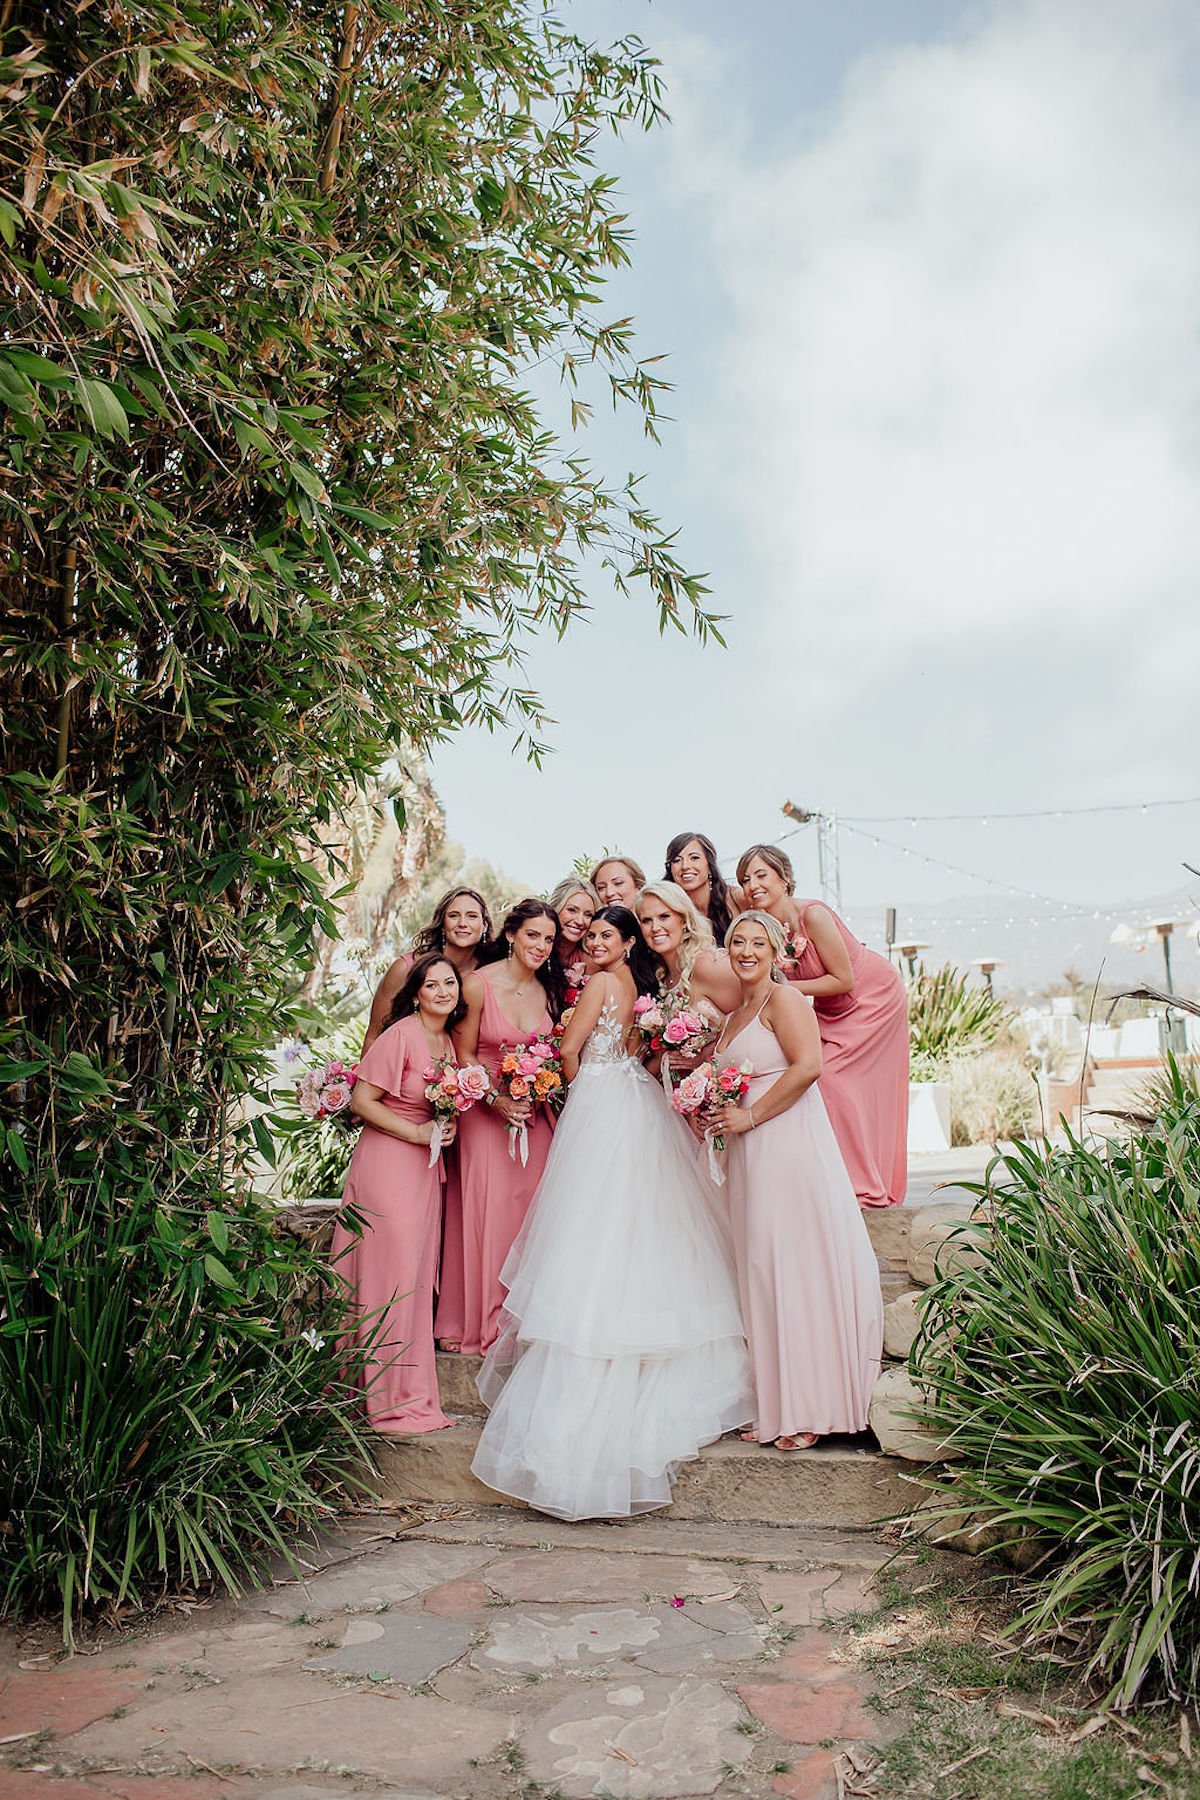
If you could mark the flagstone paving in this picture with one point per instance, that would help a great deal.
(483, 1655)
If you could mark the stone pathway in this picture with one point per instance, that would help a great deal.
(483, 1655)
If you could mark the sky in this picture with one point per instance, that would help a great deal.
(928, 278)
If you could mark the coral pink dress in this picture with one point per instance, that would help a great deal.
(807, 1275)
(451, 1316)
(391, 1267)
(864, 1074)
(496, 1187)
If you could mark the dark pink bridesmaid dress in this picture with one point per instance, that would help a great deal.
(391, 1267)
(864, 1075)
(496, 1187)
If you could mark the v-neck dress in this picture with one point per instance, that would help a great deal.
(808, 1278)
(496, 1186)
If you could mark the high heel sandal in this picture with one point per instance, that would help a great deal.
(798, 1440)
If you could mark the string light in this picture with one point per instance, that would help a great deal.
(1069, 908)
(1050, 812)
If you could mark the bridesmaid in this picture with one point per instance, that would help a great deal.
(461, 928)
(807, 1275)
(506, 1000)
(618, 881)
(862, 1012)
(696, 972)
(691, 863)
(575, 903)
(390, 1267)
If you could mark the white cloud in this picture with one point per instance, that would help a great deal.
(963, 385)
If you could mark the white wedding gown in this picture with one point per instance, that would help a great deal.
(621, 1348)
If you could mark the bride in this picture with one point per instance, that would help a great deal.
(621, 1349)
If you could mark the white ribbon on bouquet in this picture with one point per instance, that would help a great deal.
(715, 1171)
(435, 1142)
(518, 1137)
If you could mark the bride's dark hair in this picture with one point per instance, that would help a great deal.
(644, 966)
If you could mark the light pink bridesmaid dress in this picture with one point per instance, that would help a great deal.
(391, 1267)
(864, 1075)
(496, 1187)
(807, 1275)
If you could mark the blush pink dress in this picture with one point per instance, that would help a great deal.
(864, 1075)
(496, 1187)
(391, 1267)
(807, 1275)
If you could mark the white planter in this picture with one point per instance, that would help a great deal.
(928, 1117)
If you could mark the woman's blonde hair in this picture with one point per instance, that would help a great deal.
(697, 932)
(635, 869)
(770, 925)
(573, 884)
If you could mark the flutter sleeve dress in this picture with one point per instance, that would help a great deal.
(391, 1267)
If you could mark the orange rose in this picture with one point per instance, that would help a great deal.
(519, 1088)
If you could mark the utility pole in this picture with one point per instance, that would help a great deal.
(829, 863)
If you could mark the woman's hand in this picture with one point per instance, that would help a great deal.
(733, 1120)
(449, 1133)
(512, 1112)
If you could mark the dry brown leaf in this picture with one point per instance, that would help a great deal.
(1185, 1736)
(35, 169)
(972, 1756)
(1146, 1773)
(1089, 1728)
(960, 1693)
(711, 1599)
(1008, 1709)
(621, 1755)
(17, 1737)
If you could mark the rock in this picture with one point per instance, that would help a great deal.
(896, 1396)
(938, 1244)
(888, 1228)
(974, 1532)
(901, 1321)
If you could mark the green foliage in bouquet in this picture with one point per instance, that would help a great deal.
(278, 504)
(1065, 1369)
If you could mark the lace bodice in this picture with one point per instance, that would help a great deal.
(606, 1044)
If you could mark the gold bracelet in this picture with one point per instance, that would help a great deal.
(753, 1120)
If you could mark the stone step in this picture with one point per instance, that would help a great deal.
(844, 1482)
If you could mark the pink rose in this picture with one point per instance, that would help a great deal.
(651, 1020)
(429, 1073)
(473, 1082)
(642, 1004)
(336, 1096)
(528, 1063)
(678, 1031)
(542, 1050)
(692, 1092)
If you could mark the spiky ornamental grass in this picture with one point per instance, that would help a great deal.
(1065, 1369)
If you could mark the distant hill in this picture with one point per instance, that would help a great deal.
(1038, 946)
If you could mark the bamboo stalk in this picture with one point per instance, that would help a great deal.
(333, 133)
(70, 576)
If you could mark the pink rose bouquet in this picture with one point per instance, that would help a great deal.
(324, 1093)
(708, 1086)
(451, 1090)
(530, 1070)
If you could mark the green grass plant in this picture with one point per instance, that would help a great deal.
(947, 1015)
(172, 1403)
(1065, 1370)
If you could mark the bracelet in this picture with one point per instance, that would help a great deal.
(753, 1120)
(491, 1097)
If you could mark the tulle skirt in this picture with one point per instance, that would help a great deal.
(621, 1348)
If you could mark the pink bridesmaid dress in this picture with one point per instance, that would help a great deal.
(496, 1187)
(391, 1267)
(450, 1319)
(807, 1275)
(864, 1075)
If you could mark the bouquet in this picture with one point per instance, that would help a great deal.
(710, 1086)
(679, 1029)
(324, 1093)
(530, 1070)
(451, 1090)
